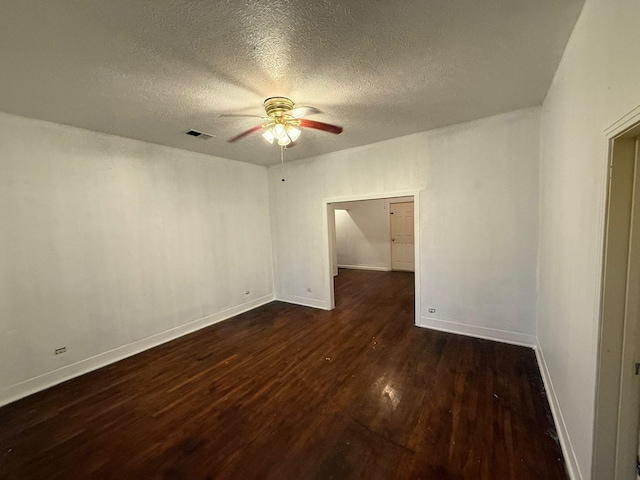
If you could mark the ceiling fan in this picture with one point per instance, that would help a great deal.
(282, 122)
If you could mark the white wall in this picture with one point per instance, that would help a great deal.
(478, 215)
(110, 245)
(597, 83)
(363, 233)
(362, 238)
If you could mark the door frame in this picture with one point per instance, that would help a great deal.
(612, 312)
(329, 239)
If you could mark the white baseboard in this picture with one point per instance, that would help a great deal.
(303, 301)
(377, 268)
(504, 336)
(571, 461)
(28, 387)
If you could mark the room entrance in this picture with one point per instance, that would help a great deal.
(618, 387)
(363, 232)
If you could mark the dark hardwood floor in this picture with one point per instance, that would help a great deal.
(288, 392)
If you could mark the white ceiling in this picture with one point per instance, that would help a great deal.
(150, 70)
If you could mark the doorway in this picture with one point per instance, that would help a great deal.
(617, 421)
(341, 205)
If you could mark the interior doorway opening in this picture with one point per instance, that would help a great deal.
(362, 234)
(617, 424)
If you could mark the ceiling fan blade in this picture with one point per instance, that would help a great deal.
(239, 115)
(303, 111)
(325, 127)
(245, 133)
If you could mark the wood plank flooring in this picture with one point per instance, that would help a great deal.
(288, 392)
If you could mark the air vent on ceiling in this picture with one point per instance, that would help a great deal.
(196, 133)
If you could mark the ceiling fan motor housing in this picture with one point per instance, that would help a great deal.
(277, 106)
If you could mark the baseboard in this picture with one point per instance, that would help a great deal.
(571, 461)
(42, 382)
(365, 267)
(303, 301)
(503, 336)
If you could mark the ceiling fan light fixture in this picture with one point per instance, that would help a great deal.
(284, 141)
(293, 133)
(268, 135)
(279, 131)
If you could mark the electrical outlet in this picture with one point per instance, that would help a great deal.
(432, 310)
(61, 350)
(247, 292)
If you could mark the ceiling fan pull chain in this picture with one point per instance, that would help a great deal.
(282, 160)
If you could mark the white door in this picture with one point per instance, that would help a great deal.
(402, 249)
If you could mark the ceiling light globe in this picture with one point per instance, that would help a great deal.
(284, 141)
(293, 133)
(279, 131)
(268, 136)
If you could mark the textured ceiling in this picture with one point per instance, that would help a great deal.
(150, 70)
